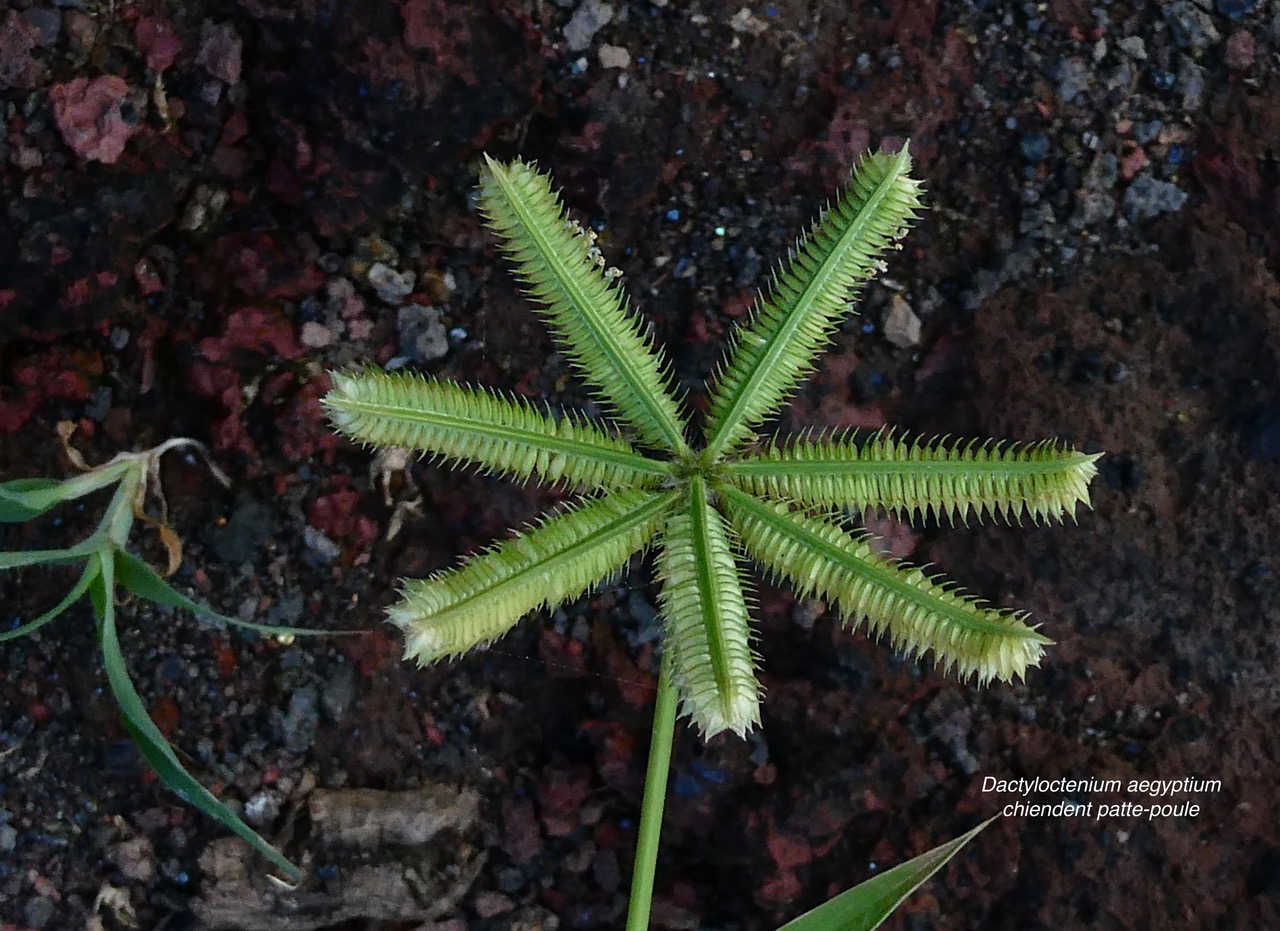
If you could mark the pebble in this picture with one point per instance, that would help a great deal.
(1148, 197)
(1191, 26)
(47, 22)
(1235, 9)
(1034, 147)
(423, 337)
(262, 808)
(1134, 47)
(1191, 77)
(38, 911)
(316, 335)
(614, 56)
(902, 326)
(1072, 76)
(320, 546)
(392, 286)
(586, 21)
(301, 720)
(338, 691)
(1239, 51)
(135, 859)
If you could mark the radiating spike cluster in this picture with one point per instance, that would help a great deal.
(586, 309)
(708, 628)
(932, 478)
(817, 556)
(777, 347)
(502, 434)
(715, 506)
(561, 558)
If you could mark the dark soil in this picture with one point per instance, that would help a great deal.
(209, 203)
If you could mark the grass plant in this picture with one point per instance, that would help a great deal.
(709, 497)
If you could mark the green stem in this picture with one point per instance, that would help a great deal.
(655, 795)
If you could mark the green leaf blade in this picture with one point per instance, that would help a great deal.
(139, 578)
(819, 557)
(586, 311)
(86, 579)
(776, 349)
(150, 741)
(708, 628)
(506, 435)
(931, 478)
(561, 558)
(23, 499)
(16, 559)
(868, 904)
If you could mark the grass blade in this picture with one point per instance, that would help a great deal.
(26, 498)
(86, 579)
(868, 904)
(18, 559)
(151, 743)
(145, 582)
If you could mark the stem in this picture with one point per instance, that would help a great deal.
(655, 795)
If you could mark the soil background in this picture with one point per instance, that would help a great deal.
(207, 205)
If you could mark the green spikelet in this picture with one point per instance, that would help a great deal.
(788, 329)
(818, 557)
(497, 433)
(587, 311)
(561, 558)
(1044, 480)
(708, 628)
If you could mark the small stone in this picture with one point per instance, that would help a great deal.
(392, 286)
(1235, 9)
(423, 337)
(17, 68)
(1191, 77)
(1239, 51)
(586, 21)
(220, 51)
(1148, 197)
(157, 41)
(902, 326)
(91, 117)
(1034, 147)
(614, 56)
(301, 720)
(1072, 76)
(8, 837)
(262, 808)
(338, 692)
(99, 403)
(319, 546)
(26, 157)
(1191, 26)
(38, 911)
(82, 31)
(1134, 47)
(135, 858)
(316, 335)
(491, 904)
(48, 22)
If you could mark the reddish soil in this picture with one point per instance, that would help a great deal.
(206, 205)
